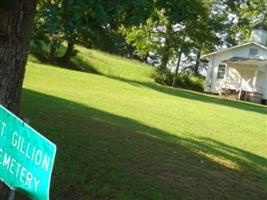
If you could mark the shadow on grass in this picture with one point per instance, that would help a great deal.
(105, 156)
(78, 64)
(196, 96)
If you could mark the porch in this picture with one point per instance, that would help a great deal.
(245, 79)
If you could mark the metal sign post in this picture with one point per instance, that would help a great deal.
(11, 195)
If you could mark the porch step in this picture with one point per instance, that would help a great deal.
(245, 96)
(254, 97)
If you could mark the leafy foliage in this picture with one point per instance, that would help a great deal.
(182, 81)
(68, 20)
(166, 33)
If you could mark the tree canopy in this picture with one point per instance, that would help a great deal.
(166, 33)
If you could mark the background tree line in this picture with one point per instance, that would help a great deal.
(172, 35)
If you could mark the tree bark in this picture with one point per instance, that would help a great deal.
(179, 61)
(177, 67)
(166, 53)
(164, 60)
(15, 30)
(196, 69)
(69, 52)
(53, 48)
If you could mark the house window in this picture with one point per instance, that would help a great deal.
(221, 72)
(253, 52)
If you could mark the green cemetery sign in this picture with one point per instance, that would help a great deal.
(26, 157)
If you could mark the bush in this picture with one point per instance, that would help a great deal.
(190, 82)
(164, 78)
(183, 81)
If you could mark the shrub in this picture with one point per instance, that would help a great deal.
(183, 81)
(164, 78)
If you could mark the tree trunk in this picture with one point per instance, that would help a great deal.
(53, 48)
(179, 58)
(68, 53)
(146, 58)
(164, 60)
(165, 56)
(177, 67)
(15, 30)
(196, 69)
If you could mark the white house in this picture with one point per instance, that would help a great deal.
(240, 71)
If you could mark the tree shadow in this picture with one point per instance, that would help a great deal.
(106, 156)
(242, 158)
(197, 96)
(78, 64)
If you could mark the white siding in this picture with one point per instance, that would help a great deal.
(265, 87)
(234, 73)
(263, 82)
(259, 36)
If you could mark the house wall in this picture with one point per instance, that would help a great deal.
(265, 89)
(264, 84)
(233, 73)
(259, 36)
(236, 74)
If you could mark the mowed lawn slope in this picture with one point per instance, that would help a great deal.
(122, 136)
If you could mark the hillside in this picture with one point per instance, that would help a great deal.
(122, 136)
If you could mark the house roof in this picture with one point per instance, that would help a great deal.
(260, 26)
(235, 47)
(245, 60)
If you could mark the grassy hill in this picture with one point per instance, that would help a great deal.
(122, 136)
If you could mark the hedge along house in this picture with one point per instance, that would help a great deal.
(240, 71)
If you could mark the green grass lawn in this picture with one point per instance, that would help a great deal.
(122, 136)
